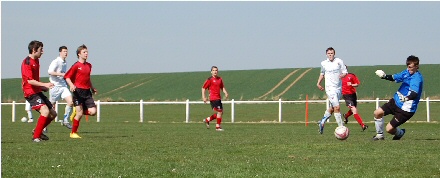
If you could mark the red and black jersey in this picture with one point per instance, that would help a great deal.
(30, 70)
(214, 85)
(79, 74)
(349, 78)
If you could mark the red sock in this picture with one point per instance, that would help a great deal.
(348, 114)
(212, 117)
(359, 119)
(75, 126)
(219, 121)
(86, 112)
(40, 126)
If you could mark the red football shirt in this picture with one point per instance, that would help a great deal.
(214, 85)
(79, 74)
(30, 70)
(349, 78)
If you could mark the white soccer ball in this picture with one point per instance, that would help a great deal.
(24, 119)
(342, 132)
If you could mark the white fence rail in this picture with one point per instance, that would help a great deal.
(141, 104)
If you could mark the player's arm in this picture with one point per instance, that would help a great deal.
(44, 86)
(355, 82)
(71, 85)
(53, 69)
(226, 93)
(204, 95)
(321, 77)
(93, 89)
(382, 75)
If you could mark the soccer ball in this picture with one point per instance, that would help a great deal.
(24, 119)
(342, 132)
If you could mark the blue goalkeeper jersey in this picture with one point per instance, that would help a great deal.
(409, 82)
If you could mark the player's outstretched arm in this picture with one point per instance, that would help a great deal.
(382, 75)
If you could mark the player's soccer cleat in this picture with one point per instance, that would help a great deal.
(375, 138)
(67, 125)
(45, 130)
(397, 137)
(36, 140)
(42, 136)
(219, 129)
(73, 114)
(74, 135)
(321, 128)
(345, 119)
(30, 120)
(364, 127)
(206, 122)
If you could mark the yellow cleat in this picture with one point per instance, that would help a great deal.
(73, 114)
(74, 135)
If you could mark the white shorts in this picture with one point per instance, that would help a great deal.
(57, 93)
(334, 97)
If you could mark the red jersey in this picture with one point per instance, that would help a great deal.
(214, 85)
(79, 74)
(349, 78)
(30, 70)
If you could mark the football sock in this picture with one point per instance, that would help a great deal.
(75, 126)
(326, 116)
(29, 114)
(40, 126)
(86, 111)
(379, 125)
(338, 117)
(348, 114)
(212, 117)
(219, 121)
(48, 120)
(67, 112)
(359, 119)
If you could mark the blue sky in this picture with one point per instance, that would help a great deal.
(163, 37)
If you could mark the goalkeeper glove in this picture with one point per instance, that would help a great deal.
(380, 73)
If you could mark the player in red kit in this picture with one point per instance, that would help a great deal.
(214, 84)
(32, 89)
(349, 82)
(78, 78)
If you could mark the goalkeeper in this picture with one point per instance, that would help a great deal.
(404, 103)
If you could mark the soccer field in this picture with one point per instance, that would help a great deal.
(133, 149)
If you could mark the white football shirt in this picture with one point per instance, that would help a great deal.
(58, 65)
(331, 71)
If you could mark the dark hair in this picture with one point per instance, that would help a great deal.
(330, 48)
(61, 48)
(214, 67)
(412, 60)
(79, 49)
(34, 45)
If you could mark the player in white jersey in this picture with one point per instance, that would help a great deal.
(56, 71)
(333, 70)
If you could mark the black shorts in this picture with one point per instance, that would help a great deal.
(400, 116)
(350, 99)
(37, 100)
(83, 97)
(216, 105)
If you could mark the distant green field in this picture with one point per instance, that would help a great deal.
(241, 84)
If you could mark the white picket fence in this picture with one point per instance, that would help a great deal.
(280, 102)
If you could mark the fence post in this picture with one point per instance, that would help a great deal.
(377, 103)
(327, 106)
(141, 111)
(427, 110)
(232, 111)
(280, 111)
(98, 110)
(56, 110)
(187, 111)
(13, 111)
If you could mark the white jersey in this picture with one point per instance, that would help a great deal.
(332, 71)
(58, 65)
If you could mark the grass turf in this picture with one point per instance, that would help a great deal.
(133, 149)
